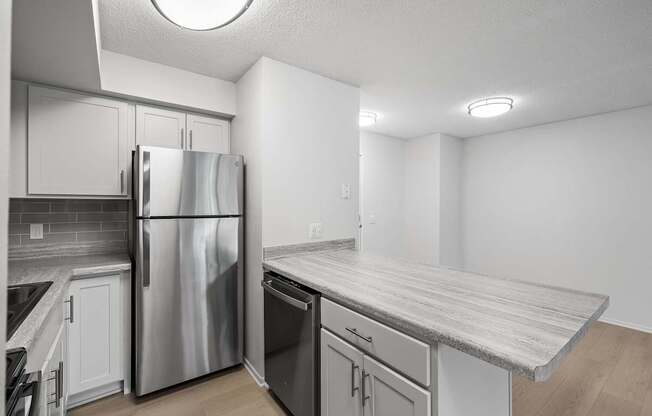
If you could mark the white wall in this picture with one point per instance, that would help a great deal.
(139, 79)
(299, 134)
(433, 166)
(311, 145)
(5, 71)
(421, 223)
(246, 139)
(451, 151)
(382, 175)
(567, 204)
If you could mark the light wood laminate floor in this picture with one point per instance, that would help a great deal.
(233, 393)
(608, 374)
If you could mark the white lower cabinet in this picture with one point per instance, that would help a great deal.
(53, 388)
(390, 394)
(95, 337)
(341, 372)
(354, 384)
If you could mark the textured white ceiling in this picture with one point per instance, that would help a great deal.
(419, 62)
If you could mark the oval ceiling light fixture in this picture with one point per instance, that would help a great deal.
(201, 15)
(490, 107)
(367, 118)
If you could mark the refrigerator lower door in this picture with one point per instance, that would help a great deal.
(188, 299)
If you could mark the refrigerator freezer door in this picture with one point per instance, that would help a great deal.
(178, 183)
(188, 319)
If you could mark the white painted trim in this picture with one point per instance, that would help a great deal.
(92, 395)
(254, 374)
(636, 327)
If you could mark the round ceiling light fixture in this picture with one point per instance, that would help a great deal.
(367, 118)
(490, 107)
(201, 14)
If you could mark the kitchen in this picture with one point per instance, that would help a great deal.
(257, 209)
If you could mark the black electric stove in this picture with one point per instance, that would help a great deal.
(22, 389)
(21, 299)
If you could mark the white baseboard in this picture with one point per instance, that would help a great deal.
(97, 393)
(641, 328)
(254, 374)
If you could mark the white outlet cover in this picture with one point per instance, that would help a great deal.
(315, 231)
(36, 231)
(346, 191)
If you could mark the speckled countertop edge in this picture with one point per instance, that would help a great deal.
(60, 271)
(428, 335)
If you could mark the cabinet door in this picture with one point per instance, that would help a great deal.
(390, 394)
(208, 134)
(77, 144)
(52, 403)
(341, 366)
(94, 343)
(159, 127)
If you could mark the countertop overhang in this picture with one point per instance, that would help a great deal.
(523, 327)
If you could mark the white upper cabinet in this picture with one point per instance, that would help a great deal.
(77, 144)
(160, 127)
(208, 134)
(178, 130)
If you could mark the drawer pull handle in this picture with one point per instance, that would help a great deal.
(355, 332)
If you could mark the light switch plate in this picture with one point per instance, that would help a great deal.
(315, 231)
(36, 231)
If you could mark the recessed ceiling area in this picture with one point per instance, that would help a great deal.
(419, 63)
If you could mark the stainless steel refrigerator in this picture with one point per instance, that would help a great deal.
(188, 286)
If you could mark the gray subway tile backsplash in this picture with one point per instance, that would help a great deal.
(102, 236)
(56, 238)
(109, 206)
(76, 206)
(29, 205)
(47, 218)
(101, 216)
(14, 241)
(114, 226)
(73, 224)
(19, 229)
(75, 227)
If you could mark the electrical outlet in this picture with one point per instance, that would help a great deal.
(315, 231)
(36, 231)
(346, 191)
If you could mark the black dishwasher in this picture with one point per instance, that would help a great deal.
(292, 344)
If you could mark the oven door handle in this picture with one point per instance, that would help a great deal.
(304, 306)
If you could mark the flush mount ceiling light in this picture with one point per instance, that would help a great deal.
(367, 118)
(490, 107)
(201, 14)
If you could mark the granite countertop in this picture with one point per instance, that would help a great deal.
(522, 327)
(59, 271)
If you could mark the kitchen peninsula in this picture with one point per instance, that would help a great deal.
(479, 329)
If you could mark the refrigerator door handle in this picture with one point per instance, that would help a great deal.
(145, 263)
(146, 183)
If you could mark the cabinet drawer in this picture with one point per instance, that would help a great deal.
(406, 354)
